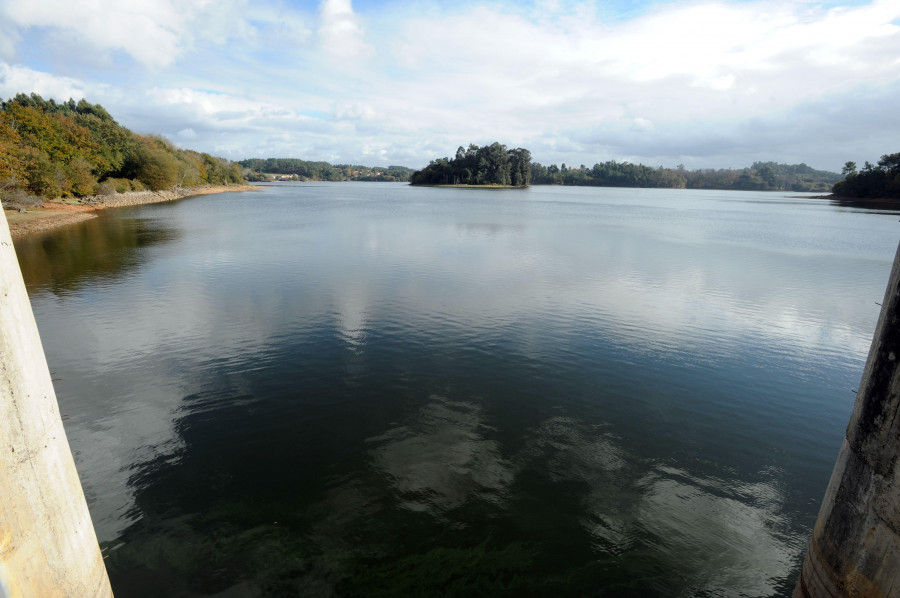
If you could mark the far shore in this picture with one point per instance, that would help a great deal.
(473, 186)
(871, 203)
(65, 211)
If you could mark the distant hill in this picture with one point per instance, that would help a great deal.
(762, 176)
(277, 168)
(51, 149)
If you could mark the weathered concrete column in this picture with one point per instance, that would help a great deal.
(855, 546)
(47, 542)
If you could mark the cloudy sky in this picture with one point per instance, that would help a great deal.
(708, 83)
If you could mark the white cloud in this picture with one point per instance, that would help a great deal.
(710, 40)
(19, 79)
(642, 124)
(222, 109)
(204, 102)
(154, 33)
(150, 31)
(188, 133)
(354, 111)
(340, 31)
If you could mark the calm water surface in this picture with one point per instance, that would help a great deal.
(379, 390)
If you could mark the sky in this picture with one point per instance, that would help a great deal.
(706, 84)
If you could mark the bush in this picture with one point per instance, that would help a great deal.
(107, 187)
(42, 175)
(14, 198)
(117, 185)
(80, 177)
(158, 168)
(122, 185)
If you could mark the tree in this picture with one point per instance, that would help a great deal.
(890, 163)
(520, 166)
(42, 176)
(10, 159)
(80, 178)
(156, 168)
(881, 180)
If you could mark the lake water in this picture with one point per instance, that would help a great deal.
(380, 390)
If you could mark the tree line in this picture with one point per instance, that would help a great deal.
(489, 165)
(874, 180)
(495, 164)
(761, 176)
(76, 149)
(259, 169)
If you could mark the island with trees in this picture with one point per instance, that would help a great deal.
(489, 166)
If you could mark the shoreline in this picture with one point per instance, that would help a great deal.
(55, 213)
(869, 203)
(472, 186)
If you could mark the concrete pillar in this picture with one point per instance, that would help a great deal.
(855, 546)
(47, 542)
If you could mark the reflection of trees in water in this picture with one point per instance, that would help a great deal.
(62, 259)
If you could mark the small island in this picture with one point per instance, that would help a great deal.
(492, 166)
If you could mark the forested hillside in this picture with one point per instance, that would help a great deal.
(881, 180)
(259, 169)
(55, 149)
(489, 165)
(762, 176)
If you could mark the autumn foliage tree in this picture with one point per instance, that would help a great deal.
(73, 149)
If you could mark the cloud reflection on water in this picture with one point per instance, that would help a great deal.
(351, 314)
(440, 458)
(723, 540)
(721, 534)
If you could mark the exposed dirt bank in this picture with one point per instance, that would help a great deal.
(62, 212)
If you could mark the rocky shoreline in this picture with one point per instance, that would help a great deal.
(56, 213)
